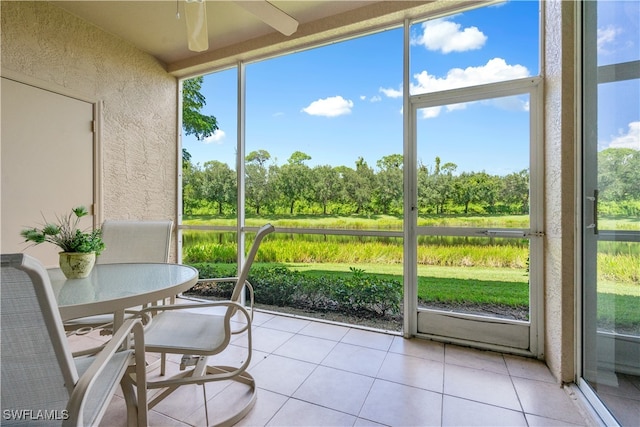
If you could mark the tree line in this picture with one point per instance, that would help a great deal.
(297, 188)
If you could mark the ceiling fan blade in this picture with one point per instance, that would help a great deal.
(196, 16)
(271, 15)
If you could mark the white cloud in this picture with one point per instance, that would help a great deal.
(374, 98)
(278, 114)
(510, 103)
(216, 138)
(391, 93)
(329, 107)
(446, 36)
(494, 70)
(630, 139)
(607, 37)
(431, 112)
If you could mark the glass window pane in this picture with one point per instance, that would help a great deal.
(209, 179)
(485, 45)
(473, 166)
(481, 276)
(323, 135)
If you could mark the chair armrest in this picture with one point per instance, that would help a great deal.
(186, 306)
(88, 379)
(228, 303)
(219, 279)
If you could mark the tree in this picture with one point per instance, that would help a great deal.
(326, 185)
(257, 183)
(193, 121)
(357, 185)
(466, 190)
(389, 181)
(392, 161)
(191, 184)
(298, 158)
(293, 180)
(427, 197)
(219, 184)
(515, 190)
(442, 182)
(186, 157)
(258, 157)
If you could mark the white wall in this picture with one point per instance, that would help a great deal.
(139, 116)
(560, 186)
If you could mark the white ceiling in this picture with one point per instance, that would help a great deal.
(234, 33)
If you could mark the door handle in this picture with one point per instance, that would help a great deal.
(594, 201)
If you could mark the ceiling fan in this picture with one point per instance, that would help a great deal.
(196, 18)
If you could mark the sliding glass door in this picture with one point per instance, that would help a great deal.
(611, 209)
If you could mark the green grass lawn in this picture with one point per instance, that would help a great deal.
(457, 284)
(618, 303)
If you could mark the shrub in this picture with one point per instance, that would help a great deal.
(275, 285)
(366, 293)
(359, 293)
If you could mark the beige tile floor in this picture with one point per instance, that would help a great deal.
(317, 374)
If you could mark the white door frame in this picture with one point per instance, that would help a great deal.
(497, 334)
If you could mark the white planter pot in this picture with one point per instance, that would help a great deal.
(76, 265)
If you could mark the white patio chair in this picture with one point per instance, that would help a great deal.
(135, 241)
(126, 241)
(179, 329)
(41, 382)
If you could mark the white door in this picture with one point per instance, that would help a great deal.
(47, 162)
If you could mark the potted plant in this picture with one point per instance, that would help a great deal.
(79, 248)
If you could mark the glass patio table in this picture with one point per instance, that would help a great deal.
(113, 288)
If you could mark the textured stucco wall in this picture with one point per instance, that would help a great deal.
(139, 116)
(560, 137)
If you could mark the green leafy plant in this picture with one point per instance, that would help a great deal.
(360, 293)
(66, 234)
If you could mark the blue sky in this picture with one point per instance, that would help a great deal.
(342, 101)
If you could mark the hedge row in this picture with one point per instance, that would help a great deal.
(358, 293)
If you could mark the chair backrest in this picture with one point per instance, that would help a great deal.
(38, 372)
(244, 272)
(135, 241)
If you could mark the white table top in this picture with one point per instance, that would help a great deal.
(113, 287)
